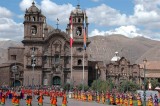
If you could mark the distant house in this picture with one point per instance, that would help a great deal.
(152, 70)
(120, 69)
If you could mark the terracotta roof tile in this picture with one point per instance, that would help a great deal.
(151, 65)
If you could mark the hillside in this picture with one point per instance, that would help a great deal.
(4, 49)
(102, 48)
(134, 49)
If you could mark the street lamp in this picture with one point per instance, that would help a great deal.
(14, 70)
(144, 61)
(33, 65)
(96, 67)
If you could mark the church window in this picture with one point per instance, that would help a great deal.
(79, 20)
(33, 61)
(45, 59)
(57, 58)
(67, 60)
(33, 19)
(79, 62)
(79, 49)
(13, 57)
(33, 30)
(79, 31)
(73, 20)
(122, 70)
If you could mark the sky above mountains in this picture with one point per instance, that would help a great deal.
(128, 17)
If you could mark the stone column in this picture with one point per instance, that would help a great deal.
(49, 78)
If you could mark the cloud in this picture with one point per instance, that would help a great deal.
(107, 16)
(25, 4)
(9, 29)
(51, 10)
(145, 15)
(129, 31)
(4, 12)
(142, 16)
(54, 11)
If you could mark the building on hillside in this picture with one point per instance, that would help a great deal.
(120, 70)
(151, 70)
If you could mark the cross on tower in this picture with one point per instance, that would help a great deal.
(57, 23)
(78, 5)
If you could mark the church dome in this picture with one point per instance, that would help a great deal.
(33, 8)
(77, 10)
(116, 57)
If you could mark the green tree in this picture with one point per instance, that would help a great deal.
(80, 87)
(128, 86)
(68, 87)
(99, 85)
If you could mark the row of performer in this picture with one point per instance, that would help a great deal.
(115, 98)
(110, 98)
(16, 97)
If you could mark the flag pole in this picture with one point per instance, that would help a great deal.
(84, 44)
(71, 70)
(71, 41)
(83, 68)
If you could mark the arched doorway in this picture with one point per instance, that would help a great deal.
(56, 80)
(16, 83)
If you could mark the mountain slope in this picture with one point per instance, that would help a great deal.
(4, 49)
(103, 48)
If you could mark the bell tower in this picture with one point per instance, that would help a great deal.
(35, 31)
(34, 22)
(80, 56)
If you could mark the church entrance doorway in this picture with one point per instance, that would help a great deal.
(17, 83)
(56, 80)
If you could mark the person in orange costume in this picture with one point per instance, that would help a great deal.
(3, 99)
(16, 102)
(40, 100)
(13, 98)
(150, 101)
(103, 98)
(117, 99)
(64, 100)
(125, 100)
(29, 100)
(130, 100)
(53, 100)
(98, 98)
(111, 99)
(139, 101)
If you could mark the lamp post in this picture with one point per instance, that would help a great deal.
(96, 67)
(144, 61)
(14, 70)
(33, 65)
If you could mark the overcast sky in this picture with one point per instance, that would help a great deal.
(128, 17)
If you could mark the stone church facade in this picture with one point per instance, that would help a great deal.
(47, 54)
(121, 70)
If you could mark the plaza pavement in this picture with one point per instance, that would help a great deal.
(71, 102)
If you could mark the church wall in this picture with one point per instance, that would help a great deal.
(78, 77)
(5, 76)
(18, 52)
(28, 75)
